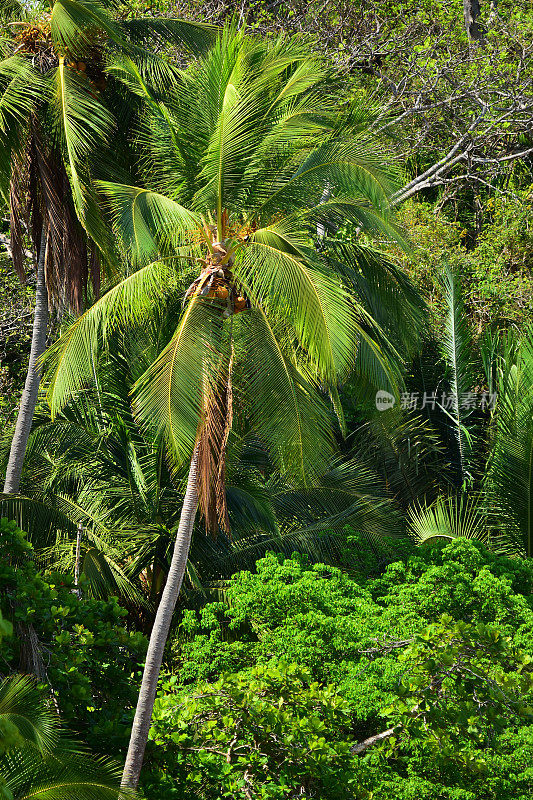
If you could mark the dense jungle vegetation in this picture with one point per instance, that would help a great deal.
(266, 400)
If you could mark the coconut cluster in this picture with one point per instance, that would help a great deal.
(90, 68)
(216, 281)
(34, 39)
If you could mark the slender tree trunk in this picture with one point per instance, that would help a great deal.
(158, 637)
(474, 29)
(33, 378)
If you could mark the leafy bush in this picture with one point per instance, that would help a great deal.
(271, 732)
(434, 654)
(79, 646)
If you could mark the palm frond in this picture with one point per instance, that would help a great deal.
(22, 89)
(194, 36)
(317, 306)
(83, 125)
(21, 705)
(448, 518)
(147, 222)
(509, 480)
(70, 362)
(457, 350)
(60, 776)
(384, 290)
(40, 764)
(40, 520)
(286, 413)
(73, 23)
(171, 396)
(405, 451)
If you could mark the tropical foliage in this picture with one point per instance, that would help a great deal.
(455, 617)
(267, 515)
(35, 761)
(81, 648)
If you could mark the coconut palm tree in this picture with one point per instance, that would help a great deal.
(35, 762)
(235, 168)
(62, 97)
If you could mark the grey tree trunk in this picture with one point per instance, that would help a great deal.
(158, 637)
(30, 393)
(474, 29)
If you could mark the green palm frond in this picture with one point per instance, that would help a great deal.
(84, 120)
(60, 776)
(457, 350)
(39, 519)
(318, 307)
(405, 451)
(316, 520)
(21, 705)
(84, 125)
(102, 558)
(194, 36)
(73, 23)
(39, 763)
(22, 89)
(144, 74)
(353, 171)
(242, 554)
(249, 504)
(104, 578)
(70, 362)
(146, 221)
(509, 480)
(383, 289)
(286, 412)
(12, 9)
(448, 518)
(170, 397)
(490, 346)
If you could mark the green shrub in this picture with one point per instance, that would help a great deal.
(437, 649)
(91, 661)
(270, 732)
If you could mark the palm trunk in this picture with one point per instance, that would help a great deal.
(31, 387)
(158, 637)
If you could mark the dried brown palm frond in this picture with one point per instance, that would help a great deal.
(40, 193)
(17, 217)
(212, 446)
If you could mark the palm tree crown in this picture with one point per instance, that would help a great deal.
(238, 158)
(62, 94)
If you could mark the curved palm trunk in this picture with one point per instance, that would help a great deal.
(158, 637)
(31, 386)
